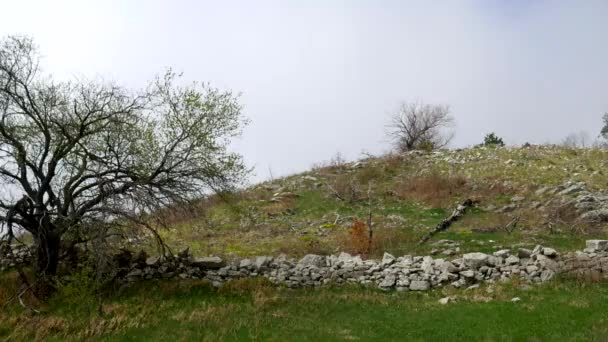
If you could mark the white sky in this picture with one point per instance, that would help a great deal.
(320, 77)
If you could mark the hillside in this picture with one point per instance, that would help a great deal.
(524, 196)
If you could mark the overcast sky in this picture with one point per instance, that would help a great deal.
(320, 77)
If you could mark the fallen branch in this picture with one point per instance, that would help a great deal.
(511, 226)
(445, 224)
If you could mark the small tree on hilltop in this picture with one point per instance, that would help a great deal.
(421, 126)
(604, 131)
(492, 140)
(81, 155)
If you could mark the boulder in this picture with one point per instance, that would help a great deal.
(475, 260)
(419, 285)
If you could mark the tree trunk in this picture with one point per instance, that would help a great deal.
(45, 265)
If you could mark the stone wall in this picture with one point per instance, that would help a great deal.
(405, 273)
(11, 256)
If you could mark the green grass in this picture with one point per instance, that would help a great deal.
(252, 225)
(563, 310)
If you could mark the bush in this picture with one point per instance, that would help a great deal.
(492, 140)
(359, 238)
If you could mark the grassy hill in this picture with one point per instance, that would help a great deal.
(524, 196)
(406, 195)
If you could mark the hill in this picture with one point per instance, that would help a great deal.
(524, 196)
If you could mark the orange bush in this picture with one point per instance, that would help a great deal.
(359, 237)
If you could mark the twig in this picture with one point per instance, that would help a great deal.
(30, 309)
(445, 224)
(335, 193)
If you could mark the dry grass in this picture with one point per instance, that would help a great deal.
(433, 189)
(441, 190)
(186, 212)
(345, 188)
(282, 206)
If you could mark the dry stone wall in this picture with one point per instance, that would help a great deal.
(404, 273)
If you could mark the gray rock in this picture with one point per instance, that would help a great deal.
(503, 253)
(546, 275)
(572, 189)
(475, 260)
(262, 261)
(517, 198)
(597, 245)
(313, 260)
(427, 265)
(153, 261)
(550, 252)
(448, 267)
(388, 281)
(387, 259)
(542, 190)
(420, 285)
(211, 263)
(524, 253)
(599, 215)
(468, 273)
(446, 300)
(135, 273)
(245, 263)
(512, 260)
(448, 252)
(507, 208)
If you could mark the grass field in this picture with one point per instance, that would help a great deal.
(564, 310)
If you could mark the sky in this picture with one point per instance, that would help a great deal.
(322, 77)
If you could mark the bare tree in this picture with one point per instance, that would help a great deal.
(421, 126)
(83, 154)
(580, 139)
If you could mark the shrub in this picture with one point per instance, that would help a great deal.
(359, 241)
(492, 140)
